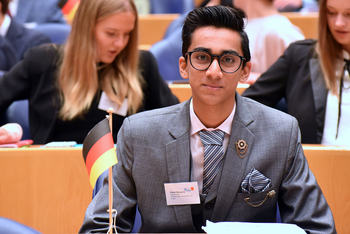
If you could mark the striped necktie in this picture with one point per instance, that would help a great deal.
(213, 155)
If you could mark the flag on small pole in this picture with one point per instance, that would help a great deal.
(99, 155)
(98, 151)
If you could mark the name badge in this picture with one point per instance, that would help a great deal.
(182, 193)
(106, 103)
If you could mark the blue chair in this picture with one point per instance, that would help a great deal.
(8, 226)
(17, 112)
(58, 33)
(278, 215)
(167, 54)
(171, 6)
(98, 186)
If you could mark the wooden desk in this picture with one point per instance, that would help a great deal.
(330, 166)
(49, 190)
(46, 189)
(152, 27)
(307, 22)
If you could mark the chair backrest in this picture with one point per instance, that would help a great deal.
(167, 53)
(9, 226)
(58, 33)
(171, 6)
(17, 112)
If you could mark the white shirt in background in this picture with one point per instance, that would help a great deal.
(331, 117)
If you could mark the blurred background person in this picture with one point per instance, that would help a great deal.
(7, 60)
(296, 5)
(34, 12)
(19, 37)
(7, 56)
(313, 77)
(70, 87)
(270, 33)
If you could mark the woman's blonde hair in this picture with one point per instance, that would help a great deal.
(79, 81)
(328, 49)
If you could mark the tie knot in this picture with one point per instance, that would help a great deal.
(346, 66)
(215, 137)
(347, 62)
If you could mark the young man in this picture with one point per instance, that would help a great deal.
(256, 161)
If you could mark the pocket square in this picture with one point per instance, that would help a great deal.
(255, 182)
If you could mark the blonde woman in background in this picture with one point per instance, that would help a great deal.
(313, 77)
(69, 88)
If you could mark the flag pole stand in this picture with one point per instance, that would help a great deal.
(110, 112)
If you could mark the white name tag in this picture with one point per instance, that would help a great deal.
(182, 193)
(106, 103)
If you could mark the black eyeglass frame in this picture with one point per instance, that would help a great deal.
(243, 59)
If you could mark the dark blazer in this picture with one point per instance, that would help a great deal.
(153, 148)
(21, 38)
(297, 77)
(7, 56)
(39, 11)
(34, 79)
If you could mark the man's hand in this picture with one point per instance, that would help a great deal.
(10, 133)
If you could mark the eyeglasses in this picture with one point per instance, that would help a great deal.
(228, 62)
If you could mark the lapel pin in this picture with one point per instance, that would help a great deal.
(241, 147)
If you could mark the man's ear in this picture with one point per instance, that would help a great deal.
(183, 67)
(245, 72)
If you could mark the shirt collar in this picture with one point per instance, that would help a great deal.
(197, 125)
(5, 25)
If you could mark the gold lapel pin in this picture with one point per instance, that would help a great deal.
(241, 147)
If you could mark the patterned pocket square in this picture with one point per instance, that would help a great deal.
(255, 182)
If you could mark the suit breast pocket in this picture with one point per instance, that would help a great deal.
(257, 199)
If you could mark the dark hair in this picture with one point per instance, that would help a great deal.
(217, 16)
(4, 6)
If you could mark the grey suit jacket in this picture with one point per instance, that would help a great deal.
(153, 148)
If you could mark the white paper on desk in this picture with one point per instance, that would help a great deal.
(251, 228)
(60, 144)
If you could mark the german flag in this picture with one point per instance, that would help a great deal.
(69, 7)
(98, 151)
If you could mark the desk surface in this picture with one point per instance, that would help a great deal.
(48, 188)
(44, 188)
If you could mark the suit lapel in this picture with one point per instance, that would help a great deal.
(14, 35)
(178, 156)
(234, 166)
(320, 94)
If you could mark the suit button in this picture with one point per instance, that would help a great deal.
(208, 206)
